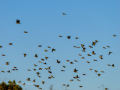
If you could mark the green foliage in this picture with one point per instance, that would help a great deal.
(10, 86)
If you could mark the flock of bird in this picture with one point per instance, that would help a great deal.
(57, 61)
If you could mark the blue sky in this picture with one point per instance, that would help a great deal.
(89, 20)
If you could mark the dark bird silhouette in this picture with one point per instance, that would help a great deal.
(18, 21)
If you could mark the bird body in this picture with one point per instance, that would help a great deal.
(18, 21)
(63, 13)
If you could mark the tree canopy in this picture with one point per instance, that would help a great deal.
(10, 86)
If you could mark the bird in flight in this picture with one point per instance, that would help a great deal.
(18, 21)
(63, 13)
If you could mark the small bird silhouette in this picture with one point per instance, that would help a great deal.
(39, 45)
(1, 47)
(17, 21)
(28, 79)
(68, 37)
(58, 61)
(7, 63)
(25, 32)
(53, 49)
(112, 65)
(114, 35)
(10, 43)
(109, 53)
(36, 55)
(60, 36)
(93, 53)
(99, 74)
(24, 55)
(75, 70)
(63, 13)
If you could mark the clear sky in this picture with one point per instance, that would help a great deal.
(89, 20)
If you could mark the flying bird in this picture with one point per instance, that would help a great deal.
(23, 84)
(114, 35)
(67, 85)
(10, 43)
(19, 82)
(3, 55)
(77, 76)
(62, 70)
(99, 74)
(58, 61)
(42, 59)
(88, 54)
(112, 65)
(46, 58)
(71, 63)
(36, 55)
(71, 80)
(34, 69)
(63, 84)
(1, 47)
(75, 60)
(102, 71)
(49, 68)
(45, 63)
(93, 53)
(96, 41)
(79, 54)
(109, 65)
(43, 82)
(67, 60)
(7, 63)
(18, 21)
(82, 45)
(25, 32)
(24, 55)
(93, 43)
(45, 50)
(34, 80)
(64, 66)
(100, 57)
(76, 38)
(49, 71)
(75, 70)
(53, 49)
(40, 68)
(104, 47)
(60, 36)
(109, 53)
(8, 71)
(88, 62)
(28, 79)
(90, 46)
(39, 45)
(90, 69)
(49, 47)
(35, 65)
(28, 69)
(38, 73)
(63, 13)
(68, 37)
(74, 46)
(82, 57)
(96, 71)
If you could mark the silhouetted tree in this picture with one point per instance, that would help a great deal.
(10, 86)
